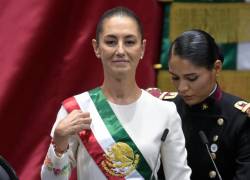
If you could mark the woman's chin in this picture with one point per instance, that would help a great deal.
(190, 101)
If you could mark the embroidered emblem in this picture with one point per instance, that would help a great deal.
(57, 171)
(242, 105)
(120, 160)
(204, 106)
(168, 95)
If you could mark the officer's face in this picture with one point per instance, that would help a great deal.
(193, 83)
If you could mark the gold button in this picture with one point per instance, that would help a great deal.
(213, 156)
(215, 138)
(220, 121)
(212, 174)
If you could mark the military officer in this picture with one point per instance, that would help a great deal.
(194, 63)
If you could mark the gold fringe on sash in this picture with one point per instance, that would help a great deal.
(226, 22)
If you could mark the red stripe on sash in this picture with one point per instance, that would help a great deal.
(89, 140)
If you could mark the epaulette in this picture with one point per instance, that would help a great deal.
(168, 95)
(243, 106)
(161, 95)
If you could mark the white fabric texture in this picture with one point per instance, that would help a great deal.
(144, 120)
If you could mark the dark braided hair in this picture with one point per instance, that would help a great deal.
(198, 47)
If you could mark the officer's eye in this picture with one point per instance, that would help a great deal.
(175, 78)
(192, 78)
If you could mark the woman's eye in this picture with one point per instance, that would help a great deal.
(174, 78)
(110, 42)
(193, 78)
(130, 42)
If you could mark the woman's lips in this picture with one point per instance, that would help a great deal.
(187, 98)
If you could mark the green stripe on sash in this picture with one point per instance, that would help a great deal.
(116, 130)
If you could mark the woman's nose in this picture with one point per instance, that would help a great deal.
(120, 49)
(183, 87)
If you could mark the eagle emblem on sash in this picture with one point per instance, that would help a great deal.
(120, 160)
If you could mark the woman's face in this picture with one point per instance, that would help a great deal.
(193, 83)
(120, 45)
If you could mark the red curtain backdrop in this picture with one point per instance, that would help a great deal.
(45, 57)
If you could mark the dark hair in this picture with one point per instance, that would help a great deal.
(118, 11)
(198, 47)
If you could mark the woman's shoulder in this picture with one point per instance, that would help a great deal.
(158, 98)
(168, 107)
(166, 97)
(162, 95)
(235, 103)
(235, 109)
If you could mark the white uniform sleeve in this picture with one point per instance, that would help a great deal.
(174, 154)
(59, 168)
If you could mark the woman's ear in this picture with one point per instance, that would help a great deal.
(143, 47)
(217, 66)
(96, 48)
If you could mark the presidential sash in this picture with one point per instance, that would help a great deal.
(107, 142)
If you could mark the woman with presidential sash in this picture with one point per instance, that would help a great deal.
(114, 131)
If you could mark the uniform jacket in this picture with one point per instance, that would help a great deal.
(228, 133)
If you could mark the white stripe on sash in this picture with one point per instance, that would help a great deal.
(99, 129)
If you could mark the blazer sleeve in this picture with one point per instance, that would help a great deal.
(59, 168)
(174, 154)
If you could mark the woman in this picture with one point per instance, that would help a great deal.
(194, 64)
(114, 131)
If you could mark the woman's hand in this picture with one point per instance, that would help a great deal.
(75, 122)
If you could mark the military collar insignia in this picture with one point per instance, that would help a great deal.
(243, 106)
(210, 100)
(204, 106)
